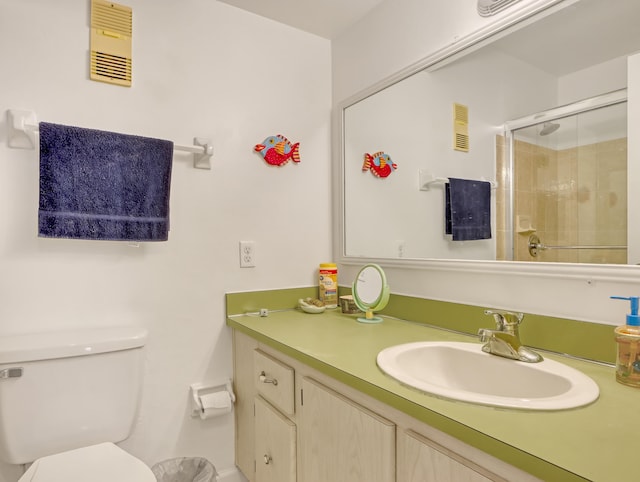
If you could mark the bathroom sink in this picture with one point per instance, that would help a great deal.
(462, 371)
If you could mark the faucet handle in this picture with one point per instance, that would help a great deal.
(484, 334)
(505, 320)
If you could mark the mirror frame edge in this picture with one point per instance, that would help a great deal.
(476, 39)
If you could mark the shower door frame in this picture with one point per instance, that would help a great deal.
(592, 103)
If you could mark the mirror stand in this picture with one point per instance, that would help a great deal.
(370, 292)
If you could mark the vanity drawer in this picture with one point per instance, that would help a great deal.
(274, 381)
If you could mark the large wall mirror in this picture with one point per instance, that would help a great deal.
(543, 113)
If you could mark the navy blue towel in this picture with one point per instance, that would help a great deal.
(102, 185)
(468, 209)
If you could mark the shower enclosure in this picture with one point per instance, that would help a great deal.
(567, 200)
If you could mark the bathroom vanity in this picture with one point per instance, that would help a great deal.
(323, 430)
(313, 406)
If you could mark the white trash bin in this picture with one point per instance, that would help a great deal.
(185, 469)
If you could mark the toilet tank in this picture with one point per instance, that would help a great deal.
(64, 390)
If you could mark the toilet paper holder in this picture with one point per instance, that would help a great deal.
(199, 390)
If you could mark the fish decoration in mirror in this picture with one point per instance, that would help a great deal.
(278, 150)
(380, 164)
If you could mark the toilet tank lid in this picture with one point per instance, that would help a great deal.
(70, 343)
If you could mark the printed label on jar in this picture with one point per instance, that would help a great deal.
(328, 287)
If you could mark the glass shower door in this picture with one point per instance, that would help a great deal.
(570, 188)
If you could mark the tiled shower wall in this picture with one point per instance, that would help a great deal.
(568, 197)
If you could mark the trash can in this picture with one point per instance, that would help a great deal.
(185, 469)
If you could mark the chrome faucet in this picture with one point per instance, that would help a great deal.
(505, 340)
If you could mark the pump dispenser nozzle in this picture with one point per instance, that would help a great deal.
(632, 318)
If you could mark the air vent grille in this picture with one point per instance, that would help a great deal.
(486, 8)
(460, 127)
(461, 113)
(111, 67)
(462, 142)
(109, 16)
(111, 31)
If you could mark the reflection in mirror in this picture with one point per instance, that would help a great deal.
(370, 292)
(575, 195)
(570, 191)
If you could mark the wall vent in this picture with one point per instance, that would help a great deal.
(460, 127)
(486, 8)
(111, 31)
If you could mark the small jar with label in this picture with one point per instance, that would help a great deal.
(328, 284)
(628, 339)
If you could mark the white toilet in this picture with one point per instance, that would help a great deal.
(66, 398)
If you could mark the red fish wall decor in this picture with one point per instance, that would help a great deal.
(277, 150)
(380, 164)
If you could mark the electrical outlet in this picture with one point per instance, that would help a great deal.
(247, 254)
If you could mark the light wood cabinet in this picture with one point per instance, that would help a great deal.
(308, 427)
(266, 435)
(423, 460)
(341, 440)
(321, 436)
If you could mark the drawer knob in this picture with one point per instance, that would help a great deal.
(267, 459)
(264, 379)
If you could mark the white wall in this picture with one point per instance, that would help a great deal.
(595, 80)
(200, 68)
(399, 33)
(414, 30)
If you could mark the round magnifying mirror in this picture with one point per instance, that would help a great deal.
(370, 292)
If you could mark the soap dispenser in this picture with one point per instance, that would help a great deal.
(628, 339)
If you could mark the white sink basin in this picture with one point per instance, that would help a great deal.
(462, 371)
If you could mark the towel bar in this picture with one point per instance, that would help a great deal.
(426, 179)
(536, 245)
(23, 127)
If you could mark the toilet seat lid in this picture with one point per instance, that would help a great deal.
(104, 462)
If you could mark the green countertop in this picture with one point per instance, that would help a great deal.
(594, 442)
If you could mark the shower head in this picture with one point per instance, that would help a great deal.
(548, 128)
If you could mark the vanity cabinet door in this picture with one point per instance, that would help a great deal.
(340, 441)
(275, 444)
(422, 460)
